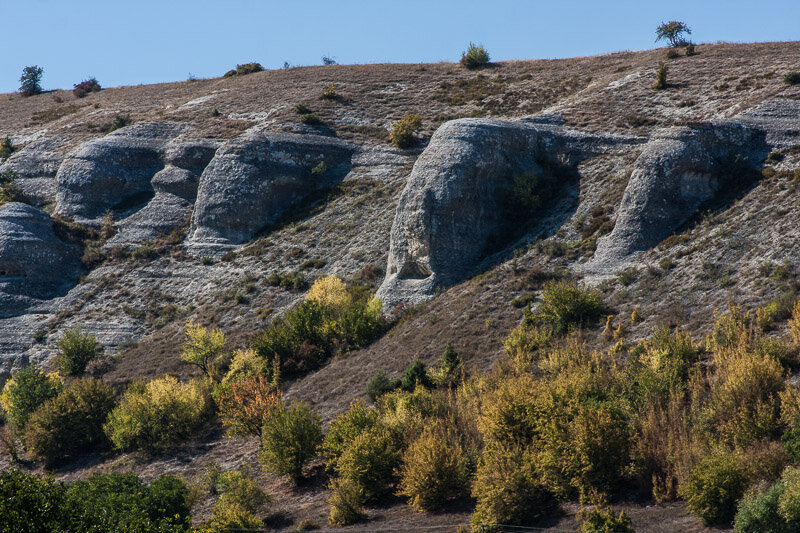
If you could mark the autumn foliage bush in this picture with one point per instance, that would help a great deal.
(242, 404)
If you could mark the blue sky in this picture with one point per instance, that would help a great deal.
(127, 42)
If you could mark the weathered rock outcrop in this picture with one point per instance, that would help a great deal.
(175, 188)
(115, 171)
(34, 262)
(36, 166)
(449, 212)
(254, 179)
(678, 171)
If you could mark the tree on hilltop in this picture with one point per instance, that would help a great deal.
(672, 32)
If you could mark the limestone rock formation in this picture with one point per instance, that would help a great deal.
(34, 262)
(113, 172)
(175, 188)
(678, 171)
(448, 213)
(36, 166)
(254, 179)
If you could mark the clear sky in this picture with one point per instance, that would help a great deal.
(127, 42)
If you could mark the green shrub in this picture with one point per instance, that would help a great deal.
(7, 148)
(289, 439)
(302, 109)
(319, 170)
(566, 304)
(402, 134)
(416, 374)
(27, 389)
(508, 490)
(242, 70)
(793, 78)
(604, 520)
(758, 511)
(119, 121)
(76, 348)
(713, 488)
(31, 80)
(475, 56)
(690, 50)
(71, 423)
(239, 502)
(155, 415)
(35, 502)
(347, 503)
(789, 501)
(9, 191)
(371, 461)
(434, 469)
(345, 428)
(122, 502)
(310, 118)
(661, 77)
(380, 384)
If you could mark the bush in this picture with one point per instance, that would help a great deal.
(329, 93)
(370, 461)
(71, 423)
(508, 490)
(289, 438)
(27, 389)
(122, 502)
(155, 415)
(202, 346)
(311, 119)
(239, 502)
(793, 78)
(242, 70)
(302, 109)
(319, 170)
(85, 87)
(758, 512)
(30, 500)
(76, 348)
(380, 384)
(402, 134)
(435, 469)
(345, 428)
(475, 56)
(690, 50)
(9, 190)
(604, 520)
(416, 374)
(245, 364)
(566, 304)
(7, 148)
(673, 32)
(347, 503)
(713, 488)
(119, 121)
(31, 80)
(661, 77)
(243, 404)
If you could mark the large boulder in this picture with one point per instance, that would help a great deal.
(680, 170)
(449, 214)
(255, 179)
(114, 172)
(34, 262)
(36, 166)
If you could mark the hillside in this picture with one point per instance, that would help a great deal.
(166, 221)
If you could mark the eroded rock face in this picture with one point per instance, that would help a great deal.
(115, 171)
(175, 188)
(36, 166)
(34, 262)
(448, 213)
(254, 179)
(678, 171)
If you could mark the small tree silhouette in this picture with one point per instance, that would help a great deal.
(672, 32)
(31, 80)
